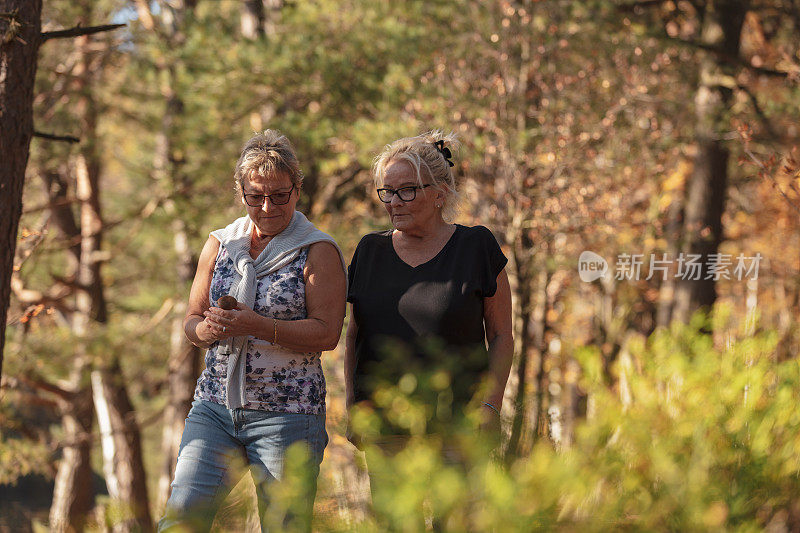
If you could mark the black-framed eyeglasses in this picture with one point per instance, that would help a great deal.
(278, 198)
(407, 194)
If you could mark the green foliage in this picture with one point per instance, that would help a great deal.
(694, 447)
(19, 457)
(708, 439)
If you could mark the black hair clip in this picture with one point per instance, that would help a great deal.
(444, 151)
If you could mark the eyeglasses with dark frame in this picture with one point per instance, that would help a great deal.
(278, 198)
(407, 194)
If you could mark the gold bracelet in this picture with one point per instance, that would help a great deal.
(274, 331)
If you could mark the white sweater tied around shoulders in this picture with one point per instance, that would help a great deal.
(279, 252)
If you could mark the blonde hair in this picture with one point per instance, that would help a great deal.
(422, 154)
(268, 154)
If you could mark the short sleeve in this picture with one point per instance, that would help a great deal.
(351, 274)
(355, 274)
(494, 261)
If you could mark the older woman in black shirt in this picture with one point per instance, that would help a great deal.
(427, 282)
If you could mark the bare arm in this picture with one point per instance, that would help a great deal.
(350, 359)
(326, 290)
(349, 376)
(499, 335)
(197, 330)
(325, 303)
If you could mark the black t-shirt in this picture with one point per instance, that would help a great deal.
(424, 318)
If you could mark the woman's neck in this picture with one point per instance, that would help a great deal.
(430, 233)
(258, 242)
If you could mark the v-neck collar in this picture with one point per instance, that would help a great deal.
(429, 261)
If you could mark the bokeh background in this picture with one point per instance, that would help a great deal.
(651, 127)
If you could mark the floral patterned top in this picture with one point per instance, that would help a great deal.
(277, 379)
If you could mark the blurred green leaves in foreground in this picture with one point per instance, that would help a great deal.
(704, 440)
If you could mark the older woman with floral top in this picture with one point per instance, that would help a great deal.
(262, 389)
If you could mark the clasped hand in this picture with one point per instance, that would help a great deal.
(222, 324)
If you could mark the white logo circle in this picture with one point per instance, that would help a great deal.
(591, 266)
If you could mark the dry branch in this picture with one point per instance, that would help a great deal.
(77, 31)
(51, 137)
(39, 383)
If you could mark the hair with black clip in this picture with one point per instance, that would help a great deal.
(444, 151)
(429, 157)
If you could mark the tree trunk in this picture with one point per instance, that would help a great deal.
(787, 300)
(705, 200)
(20, 31)
(666, 293)
(521, 350)
(611, 323)
(539, 420)
(523, 271)
(122, 455)
(73, 494)
(56, 185)
(184, 357)
(122, 449)
(91, 296)
(252, 19)
(574, 406)
(259, 18)
(184, 367)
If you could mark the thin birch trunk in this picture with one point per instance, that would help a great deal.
(122, 450)
(520, 270)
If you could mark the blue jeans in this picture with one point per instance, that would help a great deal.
(215, 437)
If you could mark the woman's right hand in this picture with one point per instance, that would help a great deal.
(201, 332)
(207, 333)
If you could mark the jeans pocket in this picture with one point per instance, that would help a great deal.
(195, 405)
(317, 436)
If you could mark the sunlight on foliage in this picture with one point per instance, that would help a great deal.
(709, 440)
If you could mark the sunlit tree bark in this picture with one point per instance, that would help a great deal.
(20, 37)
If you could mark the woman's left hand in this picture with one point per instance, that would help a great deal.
(232, 323)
